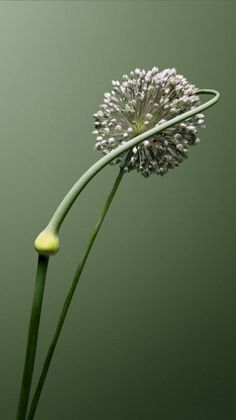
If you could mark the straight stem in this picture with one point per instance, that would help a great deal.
(32, 336)
(69, 297)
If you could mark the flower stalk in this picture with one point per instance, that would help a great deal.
(69, 297)
(64, 207)
(32, 336)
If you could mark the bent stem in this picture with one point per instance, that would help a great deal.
(48, 239)
(47, 243)
(69, 297)
(32, 336)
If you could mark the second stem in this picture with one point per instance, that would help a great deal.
(69, 297)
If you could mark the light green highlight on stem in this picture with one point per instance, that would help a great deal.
(62, 210)
(32, 336)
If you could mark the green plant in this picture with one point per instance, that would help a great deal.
(138, 128)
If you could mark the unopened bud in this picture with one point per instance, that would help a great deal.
(47, 242)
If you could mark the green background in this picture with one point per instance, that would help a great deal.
(151, 332)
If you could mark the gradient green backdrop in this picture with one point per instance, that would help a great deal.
(151, 332)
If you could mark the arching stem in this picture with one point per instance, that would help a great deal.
(47, 243)
(47, 240)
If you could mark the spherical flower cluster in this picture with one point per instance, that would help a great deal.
(142, 101)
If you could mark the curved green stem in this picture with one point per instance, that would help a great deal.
(32, 336)
(47, 242)
(69, 297)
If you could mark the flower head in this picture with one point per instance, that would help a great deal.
(142, 101)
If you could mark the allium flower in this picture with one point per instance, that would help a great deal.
(142, 101)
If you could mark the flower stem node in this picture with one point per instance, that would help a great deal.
(47, 243)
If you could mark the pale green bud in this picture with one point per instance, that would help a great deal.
(47, 242)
